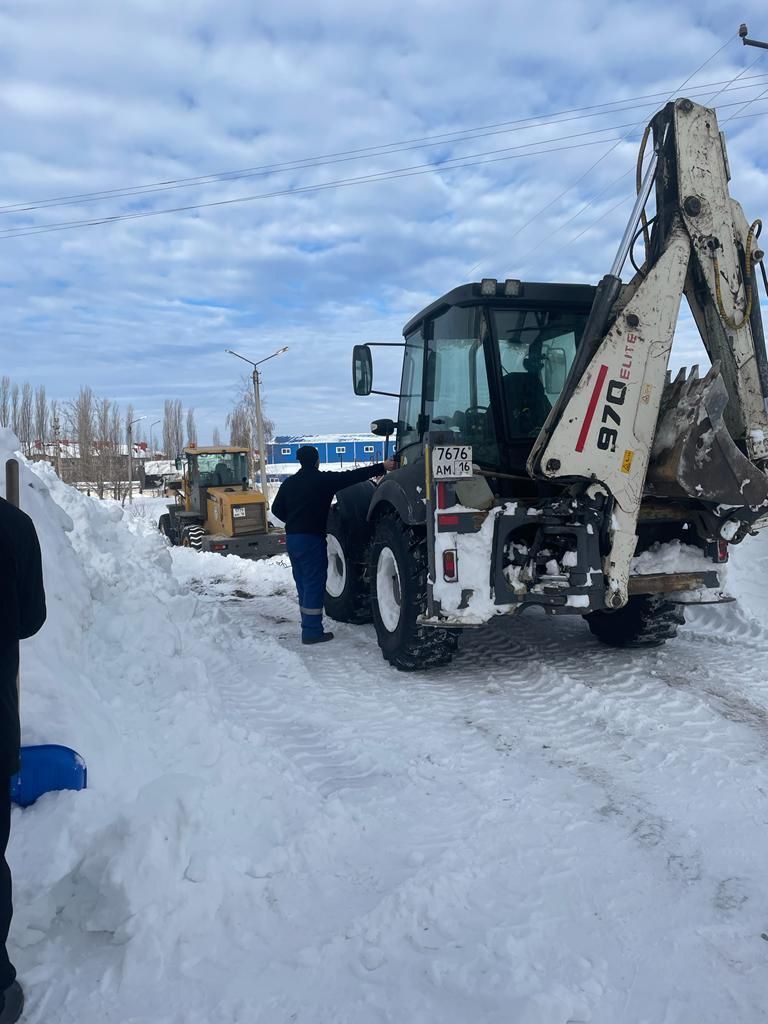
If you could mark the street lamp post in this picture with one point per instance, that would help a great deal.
(129, 433)
(256, 377)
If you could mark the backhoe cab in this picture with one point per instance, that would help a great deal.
(546, 458)
(216, 510)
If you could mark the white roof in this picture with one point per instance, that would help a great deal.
(316, 439)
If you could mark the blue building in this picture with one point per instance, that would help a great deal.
(337, 451)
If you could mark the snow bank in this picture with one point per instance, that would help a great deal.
(134, 866)
(547, 832)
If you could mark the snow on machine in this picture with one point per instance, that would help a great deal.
(546, 458)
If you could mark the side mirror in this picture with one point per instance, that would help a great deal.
(362, 370)
(555, 367)
(383, 428)
(178, 463)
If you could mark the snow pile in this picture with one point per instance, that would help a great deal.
(671, 557)
(159, 857)
(548, 831)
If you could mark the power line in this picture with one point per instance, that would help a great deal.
(304, 163)
(338, 183)
(608, 188)
(453, 163)
(742, 72)
(600, 159)
(627, 199)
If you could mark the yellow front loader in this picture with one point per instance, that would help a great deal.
(216, 509)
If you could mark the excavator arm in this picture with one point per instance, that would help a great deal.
(620, 427)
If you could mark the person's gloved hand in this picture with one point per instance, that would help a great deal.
(389, 465)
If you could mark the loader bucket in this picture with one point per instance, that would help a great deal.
(693, 454)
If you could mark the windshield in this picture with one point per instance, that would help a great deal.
(457, 399)
(536, 349)
(222, 469)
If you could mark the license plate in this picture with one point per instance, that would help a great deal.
(451, 461)
(238, 512)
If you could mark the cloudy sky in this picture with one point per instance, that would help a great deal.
(105, 97)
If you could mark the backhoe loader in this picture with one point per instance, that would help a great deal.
(546, 458)
(216, 510)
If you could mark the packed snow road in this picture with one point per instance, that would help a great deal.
(547, 832)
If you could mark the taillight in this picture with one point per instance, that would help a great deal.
(219, 547)
(448, 522)
(718, 550)
(441, 496)
(450, 566)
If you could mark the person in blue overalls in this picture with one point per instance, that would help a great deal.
(303, 503)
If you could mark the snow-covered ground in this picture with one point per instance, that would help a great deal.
(547, 832)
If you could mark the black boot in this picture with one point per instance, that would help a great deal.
(319, 639)
(13, 1003)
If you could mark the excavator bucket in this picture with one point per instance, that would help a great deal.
(694, 455)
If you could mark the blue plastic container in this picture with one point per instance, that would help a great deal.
(45, 768)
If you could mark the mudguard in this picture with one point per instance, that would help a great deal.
(352, 506)
(405, 491)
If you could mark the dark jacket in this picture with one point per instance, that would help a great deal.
(22, 613)
(304, 500)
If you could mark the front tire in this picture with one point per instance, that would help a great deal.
(346, 593)
(647, 620)
(192, 537)
(164, 526)
(397, 569)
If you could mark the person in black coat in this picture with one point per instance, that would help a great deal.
(22, 613)
(303, 503)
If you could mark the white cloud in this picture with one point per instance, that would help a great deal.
(100, 96)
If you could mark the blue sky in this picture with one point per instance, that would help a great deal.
(97, 97)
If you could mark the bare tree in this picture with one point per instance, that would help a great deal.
(5, 402)
(104, 459)
(41, 417)
(243, 417)
(120, 470)
(216, 437)
(191, 427)
(15, 409)
(130, 416)
(240, 426)
(26, 418)
(81, 415)
(173, 431)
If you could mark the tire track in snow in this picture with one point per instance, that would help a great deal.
(634, 732)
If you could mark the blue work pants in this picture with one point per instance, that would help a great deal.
(308, 553)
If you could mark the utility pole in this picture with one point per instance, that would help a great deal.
(256, 378)
(57, 442)
(744, 32)
(129, 434)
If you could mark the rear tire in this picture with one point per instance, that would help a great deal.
(192, 537)
(346, 594)
(645, 621)
(397, 569)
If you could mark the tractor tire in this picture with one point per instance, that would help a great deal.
(397, 570)
(164, 526)
(645, 621)
(192, 537)
(347, 597)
